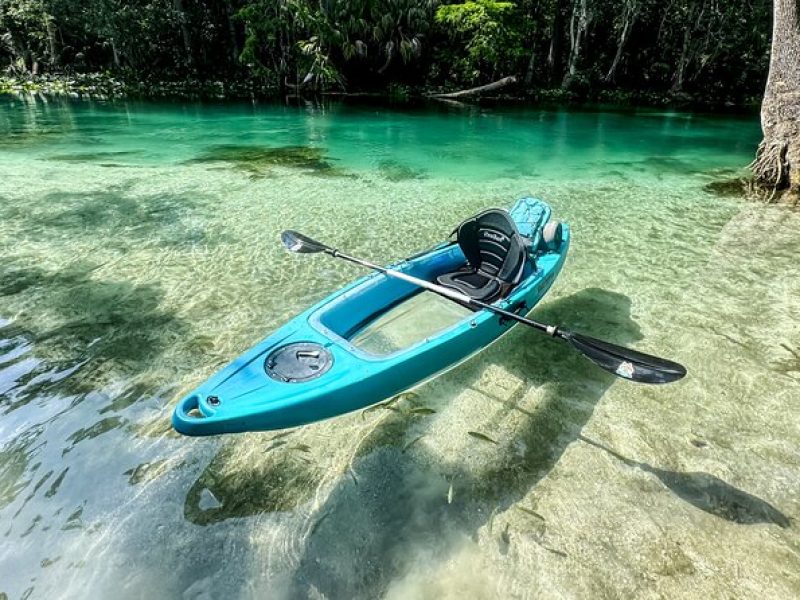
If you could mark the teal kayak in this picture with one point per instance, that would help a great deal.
(334, 357)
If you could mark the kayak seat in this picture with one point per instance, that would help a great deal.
(495, 253)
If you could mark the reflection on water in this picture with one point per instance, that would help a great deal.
(139, 253)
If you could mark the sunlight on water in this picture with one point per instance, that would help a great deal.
(139, 253)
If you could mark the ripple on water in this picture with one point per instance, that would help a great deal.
(121, 288)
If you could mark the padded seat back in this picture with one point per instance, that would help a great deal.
(493, 246)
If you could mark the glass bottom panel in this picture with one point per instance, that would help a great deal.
(421, 316)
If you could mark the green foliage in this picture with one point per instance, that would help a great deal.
(484, 28)
(709, 49)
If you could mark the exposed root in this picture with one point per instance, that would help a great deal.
(775, 177)
(770, 167)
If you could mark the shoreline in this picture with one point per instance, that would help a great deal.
(104, 86)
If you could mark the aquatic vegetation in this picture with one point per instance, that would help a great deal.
(74, 520)
(147, 471)
(259, 161)
(669, 164)
(99, 428)
(29, 137)
(273, 483)
(79, 157)
(394, 170)
(15, 471)
(53, 489)
(118, 324)
(734, 187)
(120, 212)
(143, 305)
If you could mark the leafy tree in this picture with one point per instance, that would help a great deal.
(484, 29)
(711, 48)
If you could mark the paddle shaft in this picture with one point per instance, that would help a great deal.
(620, 361)
(448, 293)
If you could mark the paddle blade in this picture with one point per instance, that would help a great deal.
(624, 362)
(297, 242)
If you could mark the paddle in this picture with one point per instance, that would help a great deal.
(623, 362)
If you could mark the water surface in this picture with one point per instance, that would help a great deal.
(139, 254)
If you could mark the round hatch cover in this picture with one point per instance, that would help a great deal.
(299, 362)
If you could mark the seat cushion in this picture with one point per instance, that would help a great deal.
(473, 284)
(493, 246)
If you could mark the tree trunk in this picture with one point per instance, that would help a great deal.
(481, 89)
(529, 70)
(51, 40)
(235, 52)
(554, 52)
(177, 5)
(686, 47)
(630, 12)
(777, 163)
(578, 26)
(115, 53)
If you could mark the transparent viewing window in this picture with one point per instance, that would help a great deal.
(421, 316)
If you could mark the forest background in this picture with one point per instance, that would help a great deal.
(702, 52)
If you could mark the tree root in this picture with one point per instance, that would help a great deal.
(775, 177)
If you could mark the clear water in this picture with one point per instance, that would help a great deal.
(139, 254)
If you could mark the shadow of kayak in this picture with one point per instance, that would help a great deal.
(371, 528)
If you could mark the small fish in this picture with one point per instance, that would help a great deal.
(301, 448)
(505, 538)
(369, 410)
(533, 513)
(481, 436)
(283, 434)
(421, 410)
(318, 523)
(491, 520)
(393, 400)
(412, 442)
(410, 396)
(352, 474)
(554, 551)
(450, 494)
(787, 348)
(277, 444)
(383, 405)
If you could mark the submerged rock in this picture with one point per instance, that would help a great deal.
(207, 500)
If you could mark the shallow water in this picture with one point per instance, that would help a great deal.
(139, 254)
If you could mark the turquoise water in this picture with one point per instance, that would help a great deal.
(139, 253)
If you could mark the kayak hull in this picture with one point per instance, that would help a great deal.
(243, 397)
